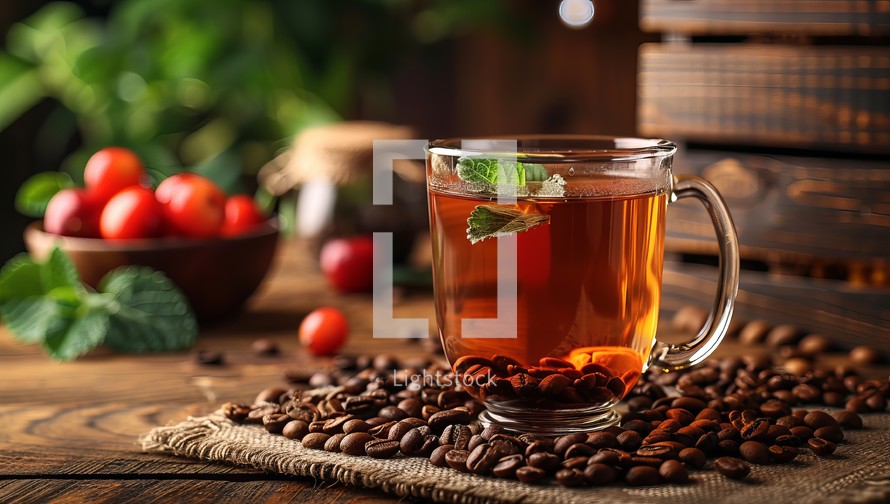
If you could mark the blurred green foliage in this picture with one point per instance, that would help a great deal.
(217, 85)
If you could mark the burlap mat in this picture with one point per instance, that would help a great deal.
(858, 472)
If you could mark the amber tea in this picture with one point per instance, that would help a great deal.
(590, 245)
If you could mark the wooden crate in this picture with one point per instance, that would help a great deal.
(768, 95)
(787, 105)
(822, 217)
(811, 17)
(849, 315)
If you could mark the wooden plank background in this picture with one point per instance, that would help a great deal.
(812, 97)
(812, 17)
(819, 212)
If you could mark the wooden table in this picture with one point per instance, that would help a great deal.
(68, 431)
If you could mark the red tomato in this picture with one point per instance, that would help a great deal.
(324, 331)
(112, 169)
(349, 263)
(130, 214)
(73, 212)
(242, 215)
(193, 205)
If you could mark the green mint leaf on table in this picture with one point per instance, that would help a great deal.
(86, 331)
(33, 196)
(35, 301)
(148, 312)
(490, 221)
(139, 309)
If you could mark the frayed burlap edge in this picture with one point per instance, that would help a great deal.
(859, 473)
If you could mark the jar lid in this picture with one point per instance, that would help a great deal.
(338, 152)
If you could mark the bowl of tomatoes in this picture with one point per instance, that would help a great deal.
(216, 248)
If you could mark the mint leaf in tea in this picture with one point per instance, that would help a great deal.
(489, 221)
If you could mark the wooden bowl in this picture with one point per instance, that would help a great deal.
(216, 275)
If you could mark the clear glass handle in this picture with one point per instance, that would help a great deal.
(672, 357)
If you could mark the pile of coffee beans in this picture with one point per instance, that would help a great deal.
(553, 383)
(729, 414)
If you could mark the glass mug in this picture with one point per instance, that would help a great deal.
(547, 267)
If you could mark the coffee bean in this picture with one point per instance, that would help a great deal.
(569, 477)
(782, 454)
(412, 406)
(865, 355)
(876, 402)
(275, 422)
(381, 448)
(546, 461)
(640, 426)
(601, 439)
(427, 411)
(335, 425)
(392, 413)
(442, 419)
(413, 440)
(755, 452)
(673, 471)
(814, 344)
(790, 440)
(457, 435)
(541, 445)
(270, 394)
(355, 425)
(757, 430)
(784, 334)
(693, 457)
(600, 474)
(830, 433)
(775, 408)
(483, 458)
(295, 429)
(475, 440)
(317, 426)
(437, 458)
(354, 444)
(209, 358)
(629, 440)
(507, 444)
(507, 466)
(801, 432)
(554, 384)
(848, 420)
(265, 347)
(530, 475)
(817, 419)
(606, 457)
(659, 452)
(562, 443)
(315, 440)
(457, 459)
(754, 332)
(524, 385)
(579, 450)
(333, 443)
(691, 404)
(732, 467)
(821, 447)
(728, 448)
(579, 462)
(642, 476)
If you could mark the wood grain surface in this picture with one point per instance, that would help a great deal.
(815, 212)
(70, 430)
(813, 17)
(814, 97)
